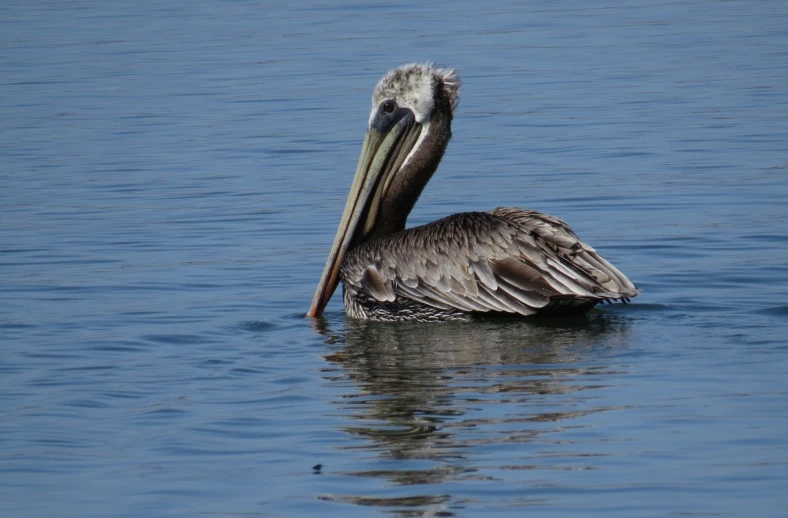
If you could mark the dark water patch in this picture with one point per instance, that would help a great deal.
(390, 433)
(124, 394)
(176, 339)
(185, 451)
(254, 326)
(637, 307)
(214, 362)
(16, 325)
(257, 434)
(165, 412)
(417, 477)
(51, 356)
(395, 502)
(773, 311)
(89, 368)
(247, 371)
(85, 403)
(125, 347)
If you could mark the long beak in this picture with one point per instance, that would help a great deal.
(382, 155)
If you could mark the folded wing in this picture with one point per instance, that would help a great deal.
(507, 260)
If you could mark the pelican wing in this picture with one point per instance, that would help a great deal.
(508, 260)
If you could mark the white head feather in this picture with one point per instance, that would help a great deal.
(413, 86)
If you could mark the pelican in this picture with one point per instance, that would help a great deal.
(505, 261)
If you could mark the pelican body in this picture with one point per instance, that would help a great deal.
(505, 261)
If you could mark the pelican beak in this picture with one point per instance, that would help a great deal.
(388, 142)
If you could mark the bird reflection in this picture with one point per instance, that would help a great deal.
(441, 392)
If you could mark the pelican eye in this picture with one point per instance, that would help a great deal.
(388, 106)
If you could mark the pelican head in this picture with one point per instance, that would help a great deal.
(408, 131)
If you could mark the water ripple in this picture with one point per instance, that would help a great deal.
(173, 175)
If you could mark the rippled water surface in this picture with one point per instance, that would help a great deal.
(172, 176)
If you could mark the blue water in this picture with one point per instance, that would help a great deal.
(172, 176)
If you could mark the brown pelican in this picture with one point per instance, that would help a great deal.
(508, 260)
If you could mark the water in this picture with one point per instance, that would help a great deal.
(172, 176)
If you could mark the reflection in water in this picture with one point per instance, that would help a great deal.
(455, 401)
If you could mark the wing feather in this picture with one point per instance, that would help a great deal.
(507, 260)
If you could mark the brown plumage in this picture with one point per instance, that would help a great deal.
(508, 260)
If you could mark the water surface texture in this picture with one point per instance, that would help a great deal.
(172, 177)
